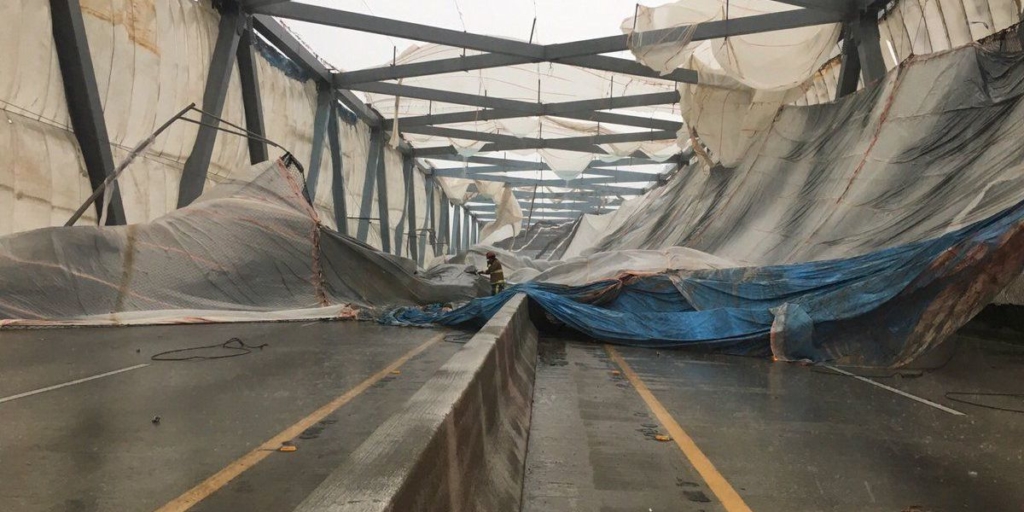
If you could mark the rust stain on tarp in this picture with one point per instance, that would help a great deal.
(138, 17)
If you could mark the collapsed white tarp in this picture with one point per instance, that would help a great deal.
(744, 80)
(151, 59)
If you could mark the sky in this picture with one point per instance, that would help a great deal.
(558, 21)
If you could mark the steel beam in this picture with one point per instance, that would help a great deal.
(408, 168)
(869, 49)
(448, 150)
(541, 166)
(193, 176)
(710, 30)
(849, 71)
(489, 215)
(444, 230)
(467, 219)
(533, 109)
(578, 194)
(284, 41)
(494, 114)
(501, 142)
(382, 196)
(456, 245)
(337, 176)
(324, 109)
(429, 225)
(529, 182)
(251, 99)
(402, 29)
(497, 60)
(535, 52)
(83, 101)
(489, 171)
(370, 178)
(575, 206)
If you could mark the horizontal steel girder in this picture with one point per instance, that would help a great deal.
(711, 30)
(284, 41)
(529, 52)
(494, 114)
(501, 142)
(525, 107)
(541, 216)
(472, 173)
(579, 195)
(541, 166)
(526, 200)
(517, 181)
(497, 60)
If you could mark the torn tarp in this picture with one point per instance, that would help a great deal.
(886, 307)
(249, 249)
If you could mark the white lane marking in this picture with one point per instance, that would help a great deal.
(71, 383)
(898, 392)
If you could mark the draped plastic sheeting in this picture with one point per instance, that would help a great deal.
(252, 248)
(151, 59)
(874, 226)
(883, 308)
(743, 79)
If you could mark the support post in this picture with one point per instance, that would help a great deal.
(444, 231)
(83, 100)
(869, 48)
(429, 225)
(456, 230)
(382, 196)
(366, 200)
(251, 99)
(849, 72)
(193, 177)
(410, 209)
(466, 220)
(324, 100)
(337, 176)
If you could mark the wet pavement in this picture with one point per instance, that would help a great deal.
(96, 445)
(785, 437)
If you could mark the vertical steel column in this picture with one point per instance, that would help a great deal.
(382, 197)
(849, 72)
(444, 231)
(366, 202)
(193, 177)
(429, 225)
(410, 209)
(337, 177)
(869, 48)
(251, 99)
(456, 230)
(465, 228)
(324, 100)
(83, 99)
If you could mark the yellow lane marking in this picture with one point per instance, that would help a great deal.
(730, 499)
(221, 478)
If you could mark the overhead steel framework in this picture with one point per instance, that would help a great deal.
(245, 23)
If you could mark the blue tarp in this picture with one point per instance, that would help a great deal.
(731, 310)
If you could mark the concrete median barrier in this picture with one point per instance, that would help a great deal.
(459, 444)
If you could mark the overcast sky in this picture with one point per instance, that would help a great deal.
(557, 21)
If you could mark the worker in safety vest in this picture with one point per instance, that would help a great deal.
(494, 270)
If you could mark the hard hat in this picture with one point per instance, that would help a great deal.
(491, 255)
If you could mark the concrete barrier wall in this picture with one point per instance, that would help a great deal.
(459, 444)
